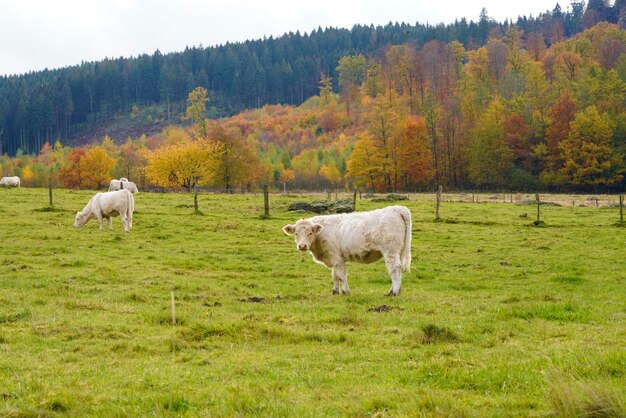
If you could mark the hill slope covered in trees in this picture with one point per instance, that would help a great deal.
(508, 114)
(148, 92)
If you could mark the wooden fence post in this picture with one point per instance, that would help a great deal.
(266, 200)
(439, 190)
(173, 308)
(50, 187)
(354, 200)
(621, 208)
(538, 207)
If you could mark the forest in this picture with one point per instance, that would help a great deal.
(69, 103)
(533, 105)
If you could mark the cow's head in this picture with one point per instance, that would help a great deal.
(305, 232)
(80, 220)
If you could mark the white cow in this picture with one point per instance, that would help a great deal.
(123, 183)
(10, 181)
(108, 204)
(363, 237)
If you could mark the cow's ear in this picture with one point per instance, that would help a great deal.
(317, 228)
(289, 229)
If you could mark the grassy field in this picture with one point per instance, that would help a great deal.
(496, 318)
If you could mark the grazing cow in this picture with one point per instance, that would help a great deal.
(363, 237)
(108, 204)
(10, 181)
(123, 183)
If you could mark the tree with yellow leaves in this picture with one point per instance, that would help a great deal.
(489, 157)
(96, 167)
(237, 161)
(196, 109)
(287, 175)
(50, 158)
(188, 163)
(351, 71)
(331, 173)
(589, 159)
(366, 163)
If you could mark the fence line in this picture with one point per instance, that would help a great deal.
(563, 199)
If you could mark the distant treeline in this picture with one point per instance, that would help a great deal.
(53, 104)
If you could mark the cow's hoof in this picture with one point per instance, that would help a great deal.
(335, 291)
(392, 293)
(346, 292)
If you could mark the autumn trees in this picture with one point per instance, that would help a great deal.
(510, 114)
(393, 153)
(89, 169)
(588, 158)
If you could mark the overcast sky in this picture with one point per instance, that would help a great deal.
(38, 34)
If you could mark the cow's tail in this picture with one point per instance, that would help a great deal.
(405, 255)
(131, 208)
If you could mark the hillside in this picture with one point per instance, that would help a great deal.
(503, 116)
(69, 103)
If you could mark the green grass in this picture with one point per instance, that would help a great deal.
(496, 318)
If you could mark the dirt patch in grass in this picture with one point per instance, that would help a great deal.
(51, 209)
(254, 299)
(384, 308)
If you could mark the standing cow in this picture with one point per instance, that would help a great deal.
(123, 183)
(10, 181)
(106, 205)
(363, 237)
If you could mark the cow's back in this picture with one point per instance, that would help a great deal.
(113, 203)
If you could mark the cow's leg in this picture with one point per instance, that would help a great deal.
(340, 275)
(99, 217)
(394, 267)
(110, 221)
(124, 219)
(336, 281)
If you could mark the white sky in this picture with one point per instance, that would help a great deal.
(38, 34)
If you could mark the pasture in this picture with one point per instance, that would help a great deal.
(496, 318)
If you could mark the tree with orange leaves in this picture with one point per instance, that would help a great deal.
(71, 174)
(562, 114)
(130, 158)
(516, 133)
(416, 163)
